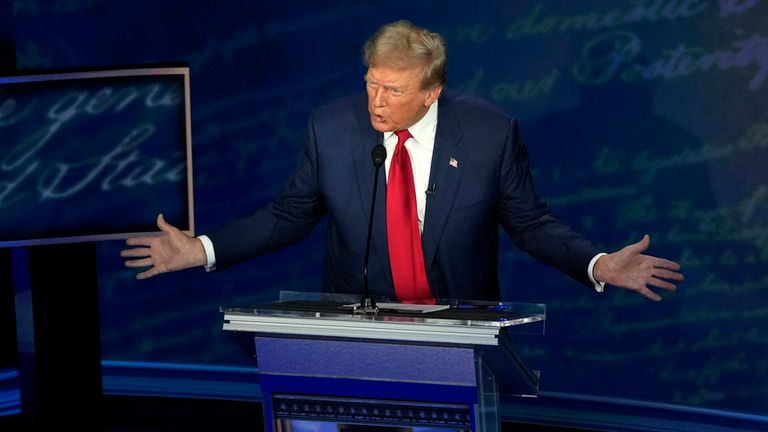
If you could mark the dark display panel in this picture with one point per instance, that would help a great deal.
(93, 155)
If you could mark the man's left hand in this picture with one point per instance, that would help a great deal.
(629, 268)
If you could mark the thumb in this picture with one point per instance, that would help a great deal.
(163, 225)
(640, 246)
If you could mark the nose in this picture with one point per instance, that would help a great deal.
(379, 99)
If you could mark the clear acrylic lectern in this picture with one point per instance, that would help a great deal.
(408, 368)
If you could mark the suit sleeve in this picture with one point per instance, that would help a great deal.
(289, 219)
(529, 222)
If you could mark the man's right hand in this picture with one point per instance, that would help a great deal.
(171, 251)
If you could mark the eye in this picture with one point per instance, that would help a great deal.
(396, 92)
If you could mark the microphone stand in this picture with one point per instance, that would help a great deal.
(367, 302)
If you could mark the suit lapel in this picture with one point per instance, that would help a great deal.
(448, 161)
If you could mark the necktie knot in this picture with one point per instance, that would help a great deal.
(402, 136)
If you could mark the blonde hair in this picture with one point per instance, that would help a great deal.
(403, 45)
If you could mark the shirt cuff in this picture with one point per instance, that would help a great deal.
(209, 253)
(599, 286)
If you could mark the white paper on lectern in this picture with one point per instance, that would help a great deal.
(404, 307)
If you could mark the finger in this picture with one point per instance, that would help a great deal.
(139, 241)
(145, 262)
(665, 263)
(668, 274)
(135, 252)
(147, 274)
(662, 284)
(649, 294)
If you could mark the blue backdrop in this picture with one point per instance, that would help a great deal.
(644, 116)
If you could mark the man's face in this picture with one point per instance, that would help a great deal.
(395, 98)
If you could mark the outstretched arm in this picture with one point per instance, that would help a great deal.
(171, 251)
(629, 268)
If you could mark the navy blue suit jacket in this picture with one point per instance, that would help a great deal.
(489, 186)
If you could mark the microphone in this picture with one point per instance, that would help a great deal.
(367, 302)
(379, 154)
(431, 191)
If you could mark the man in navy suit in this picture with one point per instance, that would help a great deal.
(469, 173)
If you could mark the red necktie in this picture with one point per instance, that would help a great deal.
(404, 239)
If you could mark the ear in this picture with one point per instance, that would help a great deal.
(432, 95)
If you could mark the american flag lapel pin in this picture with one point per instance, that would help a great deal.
(453, 162)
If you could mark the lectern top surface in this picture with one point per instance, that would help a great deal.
(457, 313)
